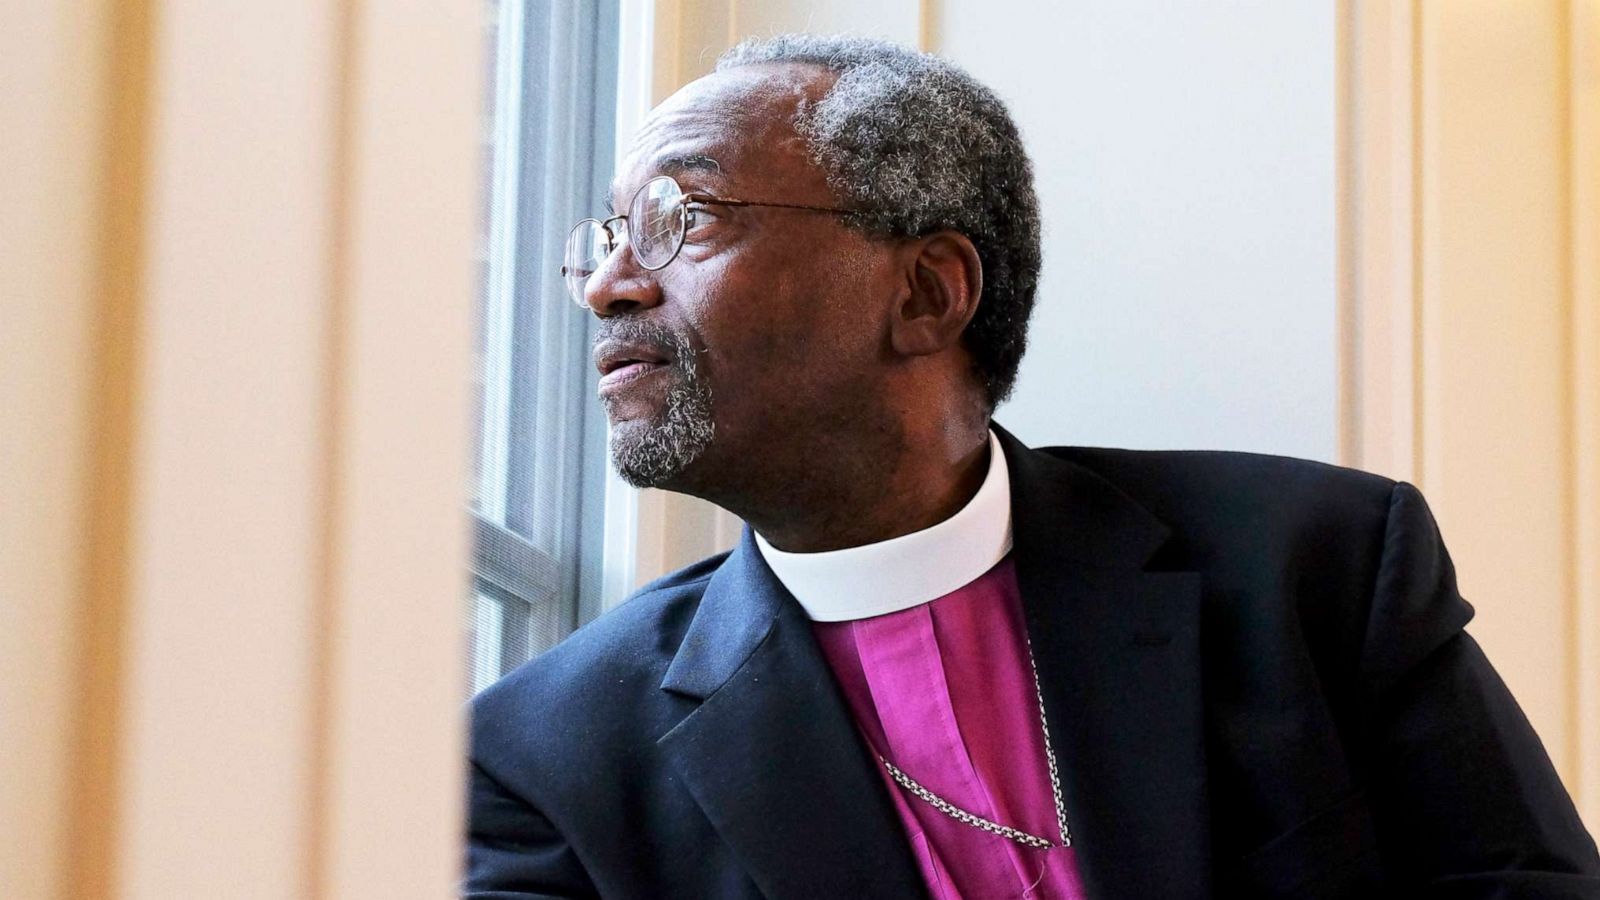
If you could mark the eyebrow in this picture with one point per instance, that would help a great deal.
(675, 165)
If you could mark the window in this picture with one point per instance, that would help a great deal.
(537, 497)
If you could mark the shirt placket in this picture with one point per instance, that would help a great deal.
(900, 658)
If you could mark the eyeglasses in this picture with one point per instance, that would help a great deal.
(659, 217)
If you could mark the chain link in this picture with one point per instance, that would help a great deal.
(961, 815)
(976, 821)
(1050, 754)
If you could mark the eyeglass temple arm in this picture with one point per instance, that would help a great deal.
(731, 201)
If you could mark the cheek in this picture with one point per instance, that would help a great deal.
(780, 329)
(752, 320)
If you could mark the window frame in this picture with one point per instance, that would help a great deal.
(528, 344)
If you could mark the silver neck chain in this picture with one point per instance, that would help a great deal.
(979, 822)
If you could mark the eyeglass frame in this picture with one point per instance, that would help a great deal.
(684, 199)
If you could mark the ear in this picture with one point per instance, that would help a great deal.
(944, 279)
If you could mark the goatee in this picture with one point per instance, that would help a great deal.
(654, 453)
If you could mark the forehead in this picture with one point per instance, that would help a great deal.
(729, 130)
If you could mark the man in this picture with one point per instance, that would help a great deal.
(940, 663)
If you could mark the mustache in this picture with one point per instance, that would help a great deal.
(653, 335)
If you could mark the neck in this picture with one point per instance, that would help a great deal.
(865, 488)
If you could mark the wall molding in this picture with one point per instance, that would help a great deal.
(1583, 98)
(1380, 238)
(1470, 362)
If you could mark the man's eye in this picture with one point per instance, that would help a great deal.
(698, 216)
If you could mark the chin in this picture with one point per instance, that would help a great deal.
(661, 448)
(661, 454)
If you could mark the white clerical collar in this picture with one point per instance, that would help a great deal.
(877, 579)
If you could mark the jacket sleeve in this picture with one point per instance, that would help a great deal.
(513, 851)
(1465, 800)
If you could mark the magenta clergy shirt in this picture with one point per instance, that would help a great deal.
(944, 690)
(925, 635)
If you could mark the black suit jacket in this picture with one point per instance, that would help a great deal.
(1255, 673)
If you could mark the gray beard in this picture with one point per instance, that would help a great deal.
(655, 453)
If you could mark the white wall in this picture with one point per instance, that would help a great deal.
(1185, 157)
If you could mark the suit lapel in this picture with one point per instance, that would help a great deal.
(1119, 665)
(773, 758)
(771, 754)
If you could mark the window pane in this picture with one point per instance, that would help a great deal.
(537, 491)
(488, 630)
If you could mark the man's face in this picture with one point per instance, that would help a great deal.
(767, 325)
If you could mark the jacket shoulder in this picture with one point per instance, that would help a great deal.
(1289, 552)
(1213, 489)
(1287, 546)
(545, 709)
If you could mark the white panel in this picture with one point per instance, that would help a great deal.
(1584, 165)
(229, 452)
(1496, 313)
(52, 62)
(1186, 158)
(392, 819)
(1382, 308)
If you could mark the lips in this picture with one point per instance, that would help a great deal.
(629, 372)
(623, 361)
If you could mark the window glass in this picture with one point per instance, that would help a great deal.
(537, 494)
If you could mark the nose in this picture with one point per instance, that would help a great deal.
(621, 286)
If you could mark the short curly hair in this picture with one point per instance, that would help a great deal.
(918, 145)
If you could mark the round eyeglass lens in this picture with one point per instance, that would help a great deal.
(587, 247)
(656, 222)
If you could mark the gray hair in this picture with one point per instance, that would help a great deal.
(918, 145)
